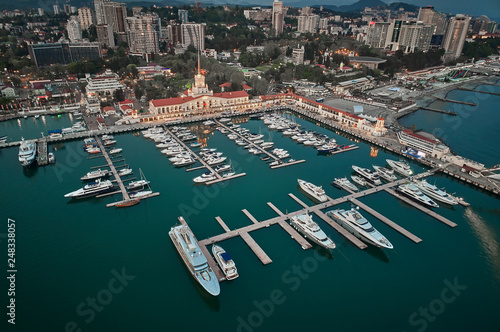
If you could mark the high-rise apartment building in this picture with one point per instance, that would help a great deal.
(454, 38)
(99, 11)
(47, 54)
(278, 17)
(86, 17)
(193, 34)
(399, 35)
(115, 14)
(105, 35)
(144, 33)
(73, 28)
(56, 9)
(308, 23)
(377, 34)
(174, 34)
(428, 15)
(183, 15)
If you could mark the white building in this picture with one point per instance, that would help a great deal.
(86, 17)
(278, 17)
(104, 84)
(431, 147)
(308, 23)
(74, 30)
(193, 34)
(144, 33)
(454, 38)
(298, 56)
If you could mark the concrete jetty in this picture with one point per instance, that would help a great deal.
(42, 158)
(455, 101)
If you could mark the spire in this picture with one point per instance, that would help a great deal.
(199, 67)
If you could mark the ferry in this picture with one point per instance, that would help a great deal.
(356, 224)
(344, 183)
(91, 189)
(305, 225)
(369, 175)
(225, 262)
(27, 152)
(401, 167)
(316, 192)
(190, 252)
(96, 174)
(385, 173)
(434, 192)
(413, 192)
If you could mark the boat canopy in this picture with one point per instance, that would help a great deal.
(226, 257)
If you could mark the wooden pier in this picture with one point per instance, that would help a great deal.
(223, 224)
(455, 101)
(478, 91)
(437, 110)
(42, 158)
(252, 218)
(261, 254)
(387, 221)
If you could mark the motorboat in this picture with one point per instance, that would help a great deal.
(316, 192)
(205, 177)
(306, 225)
(195, 145)
(125, 171)
(385, 173)
(184, 162)
(137, 184)
(222, 168)
(91, 189)
(359, 226)
(359, 180)
(435, 193)
(115, 151)
(3, 139)
(194, 259)
(97, 174)
(368, 174)
(344, 183)
(51, 158)
(93, 150)
(400, 166)
(413, 192)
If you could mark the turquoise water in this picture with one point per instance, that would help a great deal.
(66, 250)
(31, 127)
(473, 133)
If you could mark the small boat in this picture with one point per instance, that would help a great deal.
(93, 150)
(225, 120)
(37, 116)
(140, 194)
(125, 171)
(209, 123)
(115, 151)
(222, 168)
(100, 173)
(51, 158)
(265, 158)
(128, 203)
(344, 183)
(276, 163)
(195, 145)
(137, 184)
(225, 262)
(109, 142)
(106, 137)
(3, 139)
(205, 177)
(184, 162)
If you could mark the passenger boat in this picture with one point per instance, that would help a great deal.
(385, 173)
(194, 259)
(344, 183)
(359, 226)
(413, 192)
(225, 262)
(368, 174)
(92, 189)
(434, 192)
(400, 166)
(27, 152)
(316, 192)
(100, 173)
(115, 151)
(305, 225)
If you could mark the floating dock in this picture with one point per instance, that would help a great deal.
(42, 158)
(456, 101)
(437, 110)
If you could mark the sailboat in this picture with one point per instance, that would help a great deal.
(143, 184)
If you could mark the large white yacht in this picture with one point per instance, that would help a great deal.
(225, 262)
(400, 166)
(92, 189)
(368, 174)
(435, 193)
(414, 193)
(305, 225)
(356, 224)
(316, 192)
(344, 183)
(385, 173)
(27, 152)
(193, 257)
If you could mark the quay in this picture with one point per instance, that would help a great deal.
(219, 178)
(282, 163)
(487, 92)
(42, 158)
(455, 101)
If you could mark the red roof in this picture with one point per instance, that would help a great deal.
(247, 87)
(125, 107)
(225, 85)
(411, 133)
(182, 100)
(108, 109)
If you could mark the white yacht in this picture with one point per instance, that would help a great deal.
(91, 189)
(190, 252)
(359, 180)
(225, 262)
(344, 183)
(356, 224)
(137, 184)
(305, 225)
(436, 193)
(413, 192)
(184, 162)
(205, 177)
(125, 171)
(368, 174)
(400, 166)
(385, 173)
(115, 151)
(316, 192)
(27, 152)
(99, 173)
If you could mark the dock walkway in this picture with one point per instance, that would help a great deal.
(42, 158)
(113, 169)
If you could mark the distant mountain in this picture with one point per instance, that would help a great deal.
(406, 6)
(355, 7)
